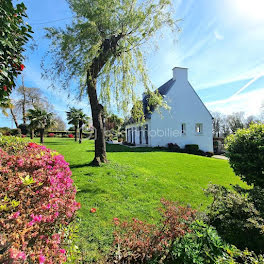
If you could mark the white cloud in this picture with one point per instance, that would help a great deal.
(218, 35)
(249, 102)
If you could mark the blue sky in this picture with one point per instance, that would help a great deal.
(221, 42)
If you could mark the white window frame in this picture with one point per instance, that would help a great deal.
(199, 128)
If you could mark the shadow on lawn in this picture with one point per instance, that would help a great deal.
(122, 148)
(91, 190)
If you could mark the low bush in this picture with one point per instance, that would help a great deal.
(51, 135)
(139, 242)
(37, 203)
(235, 256)
(70, 136)
(24, 129)
(12, 145)
(5, 131)
(174, 147)
(15, 132)
(201, 245)
(245, 150)
(191, 148)
(236, 218)
(209, 154)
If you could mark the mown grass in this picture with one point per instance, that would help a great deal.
(132, 184)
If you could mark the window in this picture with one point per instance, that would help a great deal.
(183, 127)
(199, 128)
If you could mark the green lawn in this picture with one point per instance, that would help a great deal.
(132, 183)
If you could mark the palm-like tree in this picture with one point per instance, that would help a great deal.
(82, 119)
(40, 119)
(72, 117)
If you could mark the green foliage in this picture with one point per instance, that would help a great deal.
(131, 185)
(191, 148)
(15, 33)
(235, 256)
(236, 218)
(110, 34)
(12, 145)
(201, 245)
(40, 119)
(245, 150)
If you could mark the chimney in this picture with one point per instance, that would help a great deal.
(180, 74)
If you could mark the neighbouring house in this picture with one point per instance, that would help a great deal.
(188, 121)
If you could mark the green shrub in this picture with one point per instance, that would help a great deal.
(5, 131)
(235, 256)
(15, 132)
(191, 148)
(201, 245)
(24, 129)
(12, 144)
(174, 147)
(236, 218)
(245, 150)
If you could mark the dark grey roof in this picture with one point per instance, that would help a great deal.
(163, 90)
(148, 110)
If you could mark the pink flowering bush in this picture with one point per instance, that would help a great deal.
(51, 135)
(71, 136)
(37, 202)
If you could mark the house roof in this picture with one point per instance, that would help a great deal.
(163, 90)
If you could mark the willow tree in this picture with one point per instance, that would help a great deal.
(103, 48)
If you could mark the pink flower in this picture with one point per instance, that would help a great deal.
(21, 255)
(20, 162)
(15, 215)
(62, 250)
(41, 259)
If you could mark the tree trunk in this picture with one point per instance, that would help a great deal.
(80, 132)
(14, 117)
(32, 133)
(75, 133)
(41, 136)
(24, 103)
(97, 115)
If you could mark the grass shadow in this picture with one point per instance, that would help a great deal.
(122, 148)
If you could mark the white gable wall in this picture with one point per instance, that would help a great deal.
(186, 108)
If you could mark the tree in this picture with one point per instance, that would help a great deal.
(217, 123)
(41, 120)
(113, 122)
(59, 124)
(83, 119)
(235, 121)
(73, 119)
(246, 154)
(28, 98)
(251, 120)
(103, 45)
(15, 33)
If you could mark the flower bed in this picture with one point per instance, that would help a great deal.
(37, 202)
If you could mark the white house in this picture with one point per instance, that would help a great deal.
(188, 121)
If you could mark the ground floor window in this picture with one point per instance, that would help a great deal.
(183, 128)
(146, 134)
(199, 128)
(140, 135)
